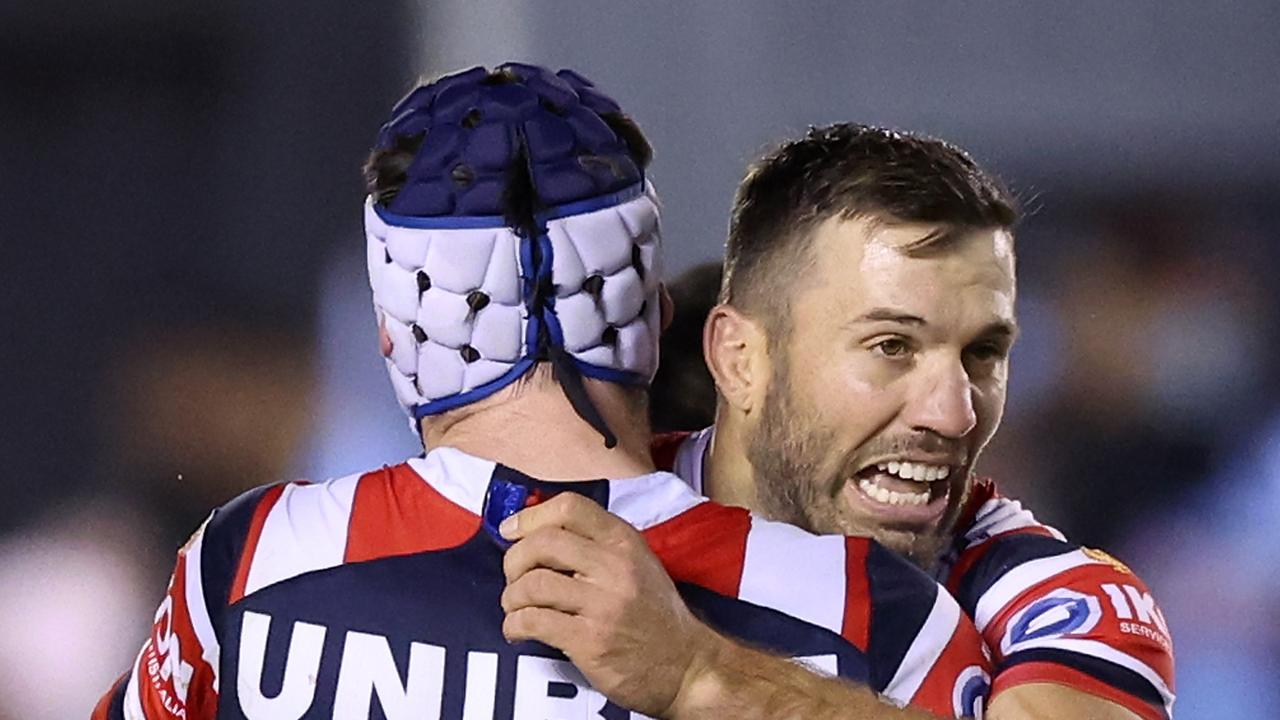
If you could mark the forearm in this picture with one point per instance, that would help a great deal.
(1047, 701)
(731, 680)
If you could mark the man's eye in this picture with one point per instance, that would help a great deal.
(893, 347)
(987, 352)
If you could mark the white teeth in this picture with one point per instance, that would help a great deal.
(916, 472)
(890, 497)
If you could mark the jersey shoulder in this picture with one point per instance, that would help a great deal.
(997, 534)
(175, 674)
(297, 528)
(1052, 610)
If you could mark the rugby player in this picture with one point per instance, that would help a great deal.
(860, 354)
(512, 250)
(861, 351)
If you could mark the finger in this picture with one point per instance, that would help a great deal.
(554, 548)
(548, 626)
(545, 588)
(567, 510)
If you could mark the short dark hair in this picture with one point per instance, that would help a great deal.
(847, 170)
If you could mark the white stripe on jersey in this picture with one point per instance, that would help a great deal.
(194, 590)
(1019, 579)
(132, 702)
(643, 500)
(1000, 515)
(930, 641)
(781, 558)
(1106, 652)
(305, 531)
(651, 499)
(691, 456)
(454, 474)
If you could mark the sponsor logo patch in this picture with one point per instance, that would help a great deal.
(1061, 612)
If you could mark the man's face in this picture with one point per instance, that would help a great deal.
(888, 385)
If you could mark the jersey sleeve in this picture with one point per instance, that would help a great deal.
(175, 673)
(922, 649)
(1052, 611)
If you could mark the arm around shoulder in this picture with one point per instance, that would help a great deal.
(732, 680)
(1048, 701)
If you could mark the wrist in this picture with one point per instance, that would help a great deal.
(702, 687)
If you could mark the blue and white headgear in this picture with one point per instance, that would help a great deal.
(524, 231)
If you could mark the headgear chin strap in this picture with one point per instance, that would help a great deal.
(472, 293)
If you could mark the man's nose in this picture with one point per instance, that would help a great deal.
(943, 402)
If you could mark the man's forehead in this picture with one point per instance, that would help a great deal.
(921, 239)
(868, 243)
(912, 266)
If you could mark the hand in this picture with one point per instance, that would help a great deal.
(584, 581)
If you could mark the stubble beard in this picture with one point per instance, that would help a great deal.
(786, 452)
(784, 458)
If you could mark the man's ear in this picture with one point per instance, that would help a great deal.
(735, 349)
(667, 307)
(385, 345)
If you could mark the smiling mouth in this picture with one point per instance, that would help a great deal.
(903, 483)
(906, 492)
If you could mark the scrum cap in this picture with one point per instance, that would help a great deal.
(524, 231)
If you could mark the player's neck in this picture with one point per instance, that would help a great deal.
(727, 476)
(538, 433)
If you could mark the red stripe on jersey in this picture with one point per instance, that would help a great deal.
(971, 556)
(857, 609)
(1143, 639)
(268, 501)
(962, 652)
(396, 512)
(173, 680)
(706, 546)
(664, 447)
(1047, 672)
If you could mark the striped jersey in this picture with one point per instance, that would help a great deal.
(377, 595)
(1048, 609)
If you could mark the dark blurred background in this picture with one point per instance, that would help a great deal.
(186, 315)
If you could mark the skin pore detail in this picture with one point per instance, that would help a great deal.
(889, 384)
